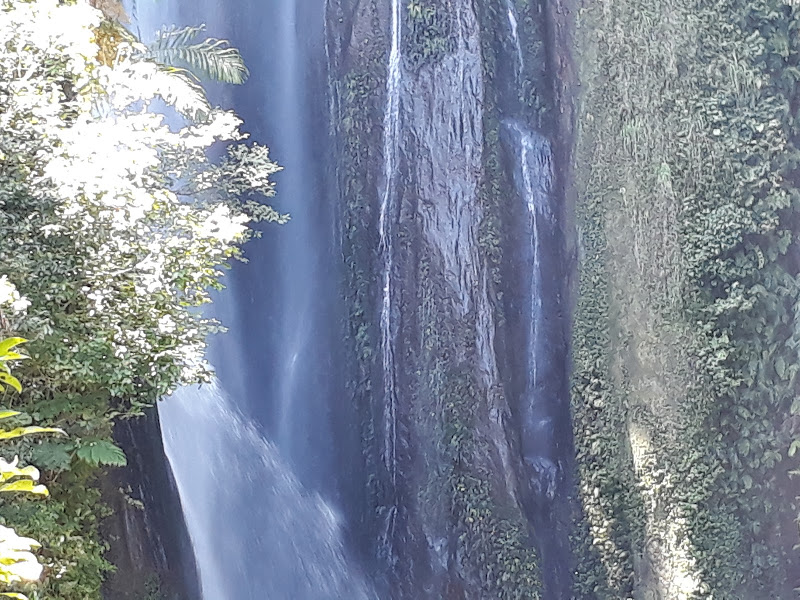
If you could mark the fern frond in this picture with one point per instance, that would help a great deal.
(210, 59)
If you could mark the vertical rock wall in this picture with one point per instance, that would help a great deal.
(449, 508)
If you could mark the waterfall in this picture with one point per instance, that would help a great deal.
(543, 413)
(514, 31)
(533, 176)
(254, 453)
(391, 129)
(255, 531)
(257, 457)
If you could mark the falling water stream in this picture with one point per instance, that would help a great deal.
(513, 25)
(251, 453)
(533, 176)
(543, 412)
(391, 131)
(256, 532)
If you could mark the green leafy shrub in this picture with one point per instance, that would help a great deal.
(18, 564)
(115, 227)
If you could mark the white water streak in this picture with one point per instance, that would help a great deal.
(514, 27)
(536, 279)
(391, 131)
(537, 171)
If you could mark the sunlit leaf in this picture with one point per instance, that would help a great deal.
(10, 380)
(9, 343)
(20, 431)
(11, 470)
(25, 485)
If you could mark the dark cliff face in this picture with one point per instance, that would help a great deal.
(148, 541)
(435, 207)
(447, 325)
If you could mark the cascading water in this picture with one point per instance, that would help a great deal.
(534, 179)
(260, 466)
(391, 130)
(513, 25)
(258, 526)
(543, 413)
(256, 532)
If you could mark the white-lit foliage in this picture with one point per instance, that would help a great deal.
(114, 223)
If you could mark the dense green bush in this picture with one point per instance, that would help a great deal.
(113, 228)
(18, 564)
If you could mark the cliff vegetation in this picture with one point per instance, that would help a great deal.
(686, 339)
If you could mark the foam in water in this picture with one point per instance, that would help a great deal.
(256, 533)
(391, 127)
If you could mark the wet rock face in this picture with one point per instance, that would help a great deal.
(443, 142)
(448, 322)
(445, 444)
(148, 539)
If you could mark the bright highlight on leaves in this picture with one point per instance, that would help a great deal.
(17, 561)
(7, 344)
(25, 485)
(131, 220)
(6, 378)
(20, 431)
